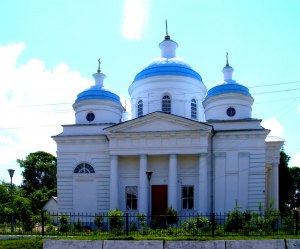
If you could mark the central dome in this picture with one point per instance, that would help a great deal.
(168, 66)
(168, 84)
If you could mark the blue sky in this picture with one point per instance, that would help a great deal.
(49, 50)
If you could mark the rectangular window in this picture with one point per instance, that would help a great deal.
(131, 197)
(187, 197)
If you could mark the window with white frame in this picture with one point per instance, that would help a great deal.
(131, 197)
(166, 104)
(140, 108)
(84, 168)
(194, 109)
(187, 197)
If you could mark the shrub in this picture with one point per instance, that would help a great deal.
(144, 229)
(171, 216)
(50, 228)
(237, 220)
(78, 225)
(99, 222)
(195, 225)
(64, 224)
(116, 221)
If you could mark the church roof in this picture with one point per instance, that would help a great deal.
(167, 66)
(228, 85)
(168, 63)
(98, 92)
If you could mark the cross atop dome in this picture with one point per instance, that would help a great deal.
(99, 62)
(227, 63)
(99, 77)
(167, 37)
(227, 71)
(168, 46)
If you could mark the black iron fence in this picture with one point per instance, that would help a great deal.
(116, 223)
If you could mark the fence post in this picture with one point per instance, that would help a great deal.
(213, 224)
(296, 214)
(127, 224)
(43, 223)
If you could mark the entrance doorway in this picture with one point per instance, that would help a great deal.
(159, 199)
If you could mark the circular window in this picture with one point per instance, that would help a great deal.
(230, 111)
(90, 116)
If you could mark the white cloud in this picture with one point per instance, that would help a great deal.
(135, 18)
(295, 160)
(275, 127)
(34, 102)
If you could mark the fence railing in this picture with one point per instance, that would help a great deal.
(131, 224)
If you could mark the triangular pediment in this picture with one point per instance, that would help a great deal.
(159, 122)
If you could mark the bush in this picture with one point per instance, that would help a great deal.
(237, 220)
(171, 216)
(99, 222)
(50, 228)
(64, 224)
(78, 225)
(195, 225)
(116, 221)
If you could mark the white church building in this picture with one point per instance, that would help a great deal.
(205, 150)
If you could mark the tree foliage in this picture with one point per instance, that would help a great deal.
(295, 190)
(285, 184)
(289, 184)
(39, 178)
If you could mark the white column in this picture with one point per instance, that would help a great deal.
(275, 188)
(172, 187)
(203, 185)
(143, 186)
(114, 186)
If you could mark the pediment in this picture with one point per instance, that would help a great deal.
(159, 122)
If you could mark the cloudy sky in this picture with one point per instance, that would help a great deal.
(49, 50)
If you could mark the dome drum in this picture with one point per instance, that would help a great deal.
(97, 104)
(230, 106)
(180, 89)
(104, 113)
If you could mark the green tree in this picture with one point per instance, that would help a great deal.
(295, 191)
(39, 178)
(285, 182)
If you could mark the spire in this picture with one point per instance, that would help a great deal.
(167, 37)
(99, 77)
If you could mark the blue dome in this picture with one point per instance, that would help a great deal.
(98, 92)
(168, 66)
(228, 87)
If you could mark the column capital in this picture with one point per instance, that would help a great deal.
(173, 155)
(113, 157)
(143, 156)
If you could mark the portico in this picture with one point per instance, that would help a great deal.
(168, 170)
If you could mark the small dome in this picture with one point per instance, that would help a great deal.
(228, 85)
(98, 92)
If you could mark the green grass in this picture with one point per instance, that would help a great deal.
(32, 243)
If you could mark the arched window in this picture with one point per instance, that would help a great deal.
(84, 168)
(194, 109)
(140, 108)
(166, 104)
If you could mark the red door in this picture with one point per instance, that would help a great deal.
(159, 199)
